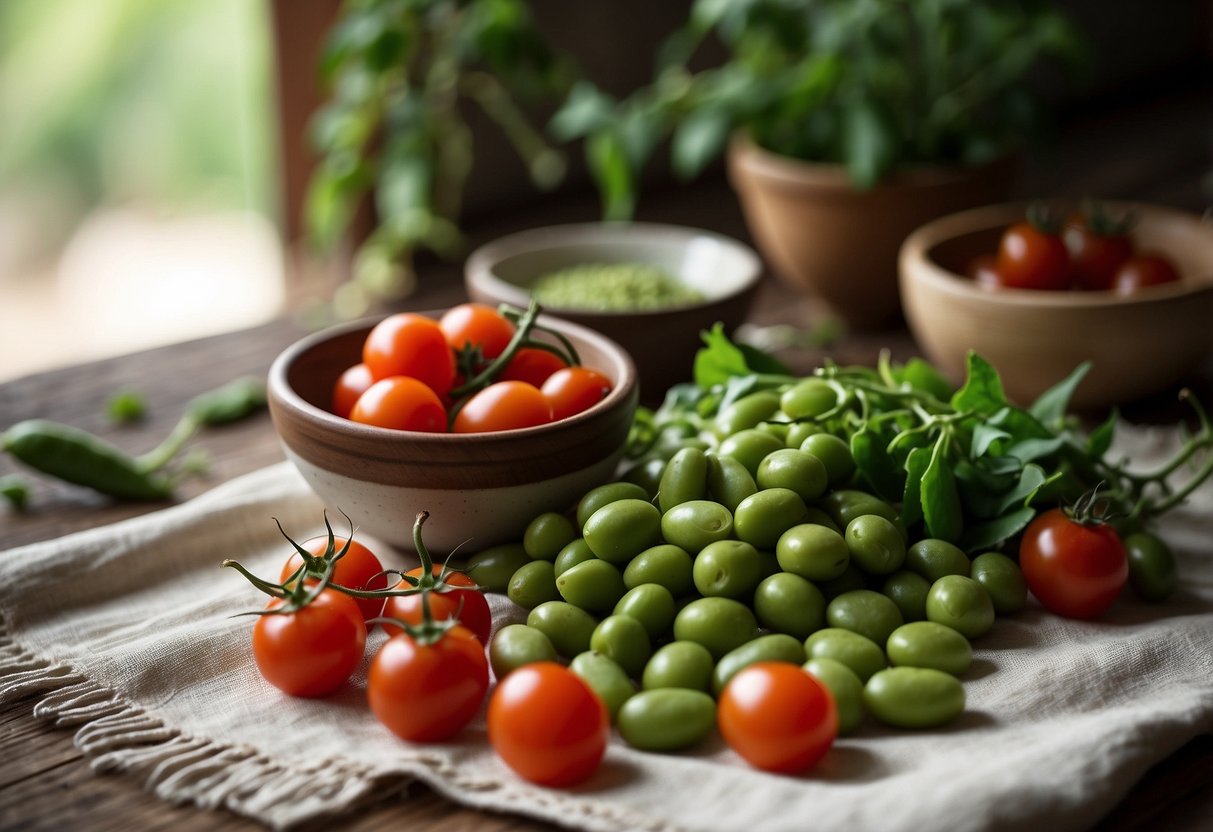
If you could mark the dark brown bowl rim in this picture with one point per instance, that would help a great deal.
(281, 391)
(479, 266)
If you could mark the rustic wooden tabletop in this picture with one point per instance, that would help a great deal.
(1159, 153)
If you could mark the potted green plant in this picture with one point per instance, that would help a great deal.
(394, 136)
(847, 124)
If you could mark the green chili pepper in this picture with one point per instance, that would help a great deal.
(229, 403)
(78, 457)
(15, 490)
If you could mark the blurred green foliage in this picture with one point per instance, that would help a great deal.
(166, 103)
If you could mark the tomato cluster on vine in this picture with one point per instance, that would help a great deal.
(1088, 251)
(475, 369)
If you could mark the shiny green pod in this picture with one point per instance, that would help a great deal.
(667, 719)
(914, 697)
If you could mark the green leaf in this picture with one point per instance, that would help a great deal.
(1100, 439)
(1020, 424)
(698, 140)
(1029, 450)
(923, 377)
(1050, 408)
(869, 144)
(1031, 479)
(761, 361)
(941, 508)
(911, 504)
(982, 391)
(985, 435)
(608, 164)
(719, 360)
(586, 110)
(985, 535)
(404, 185)
(875, 465)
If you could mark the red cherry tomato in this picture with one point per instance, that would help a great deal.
(984, 272)
(350, 385)
(312, 651)
(1095, 258)
(548, 725)
(1032, 259)
(477, 324)
(407, 344)
(468, 605)
(505, 405)
(1142, 271)
(532, 365)
(778, 717)
(575, 389)
(358, 568)
(400, 403)
(428, 692)
(1075, 569)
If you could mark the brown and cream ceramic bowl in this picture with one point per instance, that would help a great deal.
(480, 489)
(1138, 344)
(663, 342)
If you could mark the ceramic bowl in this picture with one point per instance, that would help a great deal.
(662, 342)
(1138, 345)
(480, 489)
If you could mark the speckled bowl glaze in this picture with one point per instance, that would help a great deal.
(663, 341)
(480, 489)
(1138, 344)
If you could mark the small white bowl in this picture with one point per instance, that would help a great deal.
(663, 342)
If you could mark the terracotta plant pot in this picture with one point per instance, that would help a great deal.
(824, 237)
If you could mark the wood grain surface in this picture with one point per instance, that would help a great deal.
(1151, 150)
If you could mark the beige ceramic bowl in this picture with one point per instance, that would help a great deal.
(1138, 345)
(662, 342)
(480, 489)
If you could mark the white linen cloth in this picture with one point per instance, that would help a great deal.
(124, 633)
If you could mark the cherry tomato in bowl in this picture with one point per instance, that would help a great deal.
(1142, 271)
(574, 389)
(1096, 252)
(351, 384)
(1031, 258)
(1075, 569)
(479, 325)
(400, 403)
(409, 344)
(504, 405)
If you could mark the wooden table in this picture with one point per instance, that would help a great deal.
(45, 783)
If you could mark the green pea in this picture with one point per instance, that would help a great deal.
(844, 505)
(775, 647)
(623, 640)
(914, 697)
(813, 552)
(547, 534)
(605, 678)
(761, 518)
(857, 652)
(578, 551)
(515, 645)
(719, 624)
(798, 432)
(664, 564)
(808, 399)
(646, 474)
(728, 568)
(532, 584)
(794, 470)
(875, 545)
(679, 664)
(865, 612)
(594, 585)
(962, 604)
(787, 603)
(933, 559)
(685, 478)
(650, 604)
(696, 523)
(749, 447)
(745, 413)
(1003, 581)
(567, 627)
(667, 719)
(850, 580)
(908, 590)
(619, 531)
(494, 567)
(927, 644)
(728, 481)
(1152, 568)
(845, 687)
(834, 453)
(777, 429)
(612, 492)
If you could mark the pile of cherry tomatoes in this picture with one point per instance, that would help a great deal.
(1088, 251)
(473, 370)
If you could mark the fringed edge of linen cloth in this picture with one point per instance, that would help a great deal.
(118, 736)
